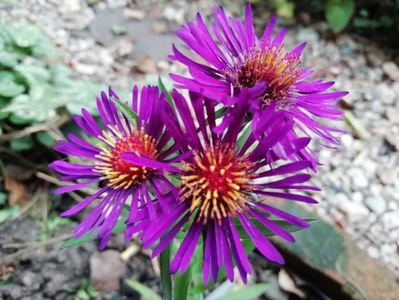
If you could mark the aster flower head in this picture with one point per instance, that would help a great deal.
(236, 60)
(128, 160)
(219, 189)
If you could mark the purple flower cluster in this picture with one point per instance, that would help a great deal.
(206, 164)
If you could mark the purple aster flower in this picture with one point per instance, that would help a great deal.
(236, 59)
(220, 186)
(127, 161)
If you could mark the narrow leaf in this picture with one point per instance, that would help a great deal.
(161, 87)
(249, 292)
(182, 284)
(127, 111)
(166, 280)
(143, 290)
(244, 137)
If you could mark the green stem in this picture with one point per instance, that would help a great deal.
(164, 260)
(182, 284)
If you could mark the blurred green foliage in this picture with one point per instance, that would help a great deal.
(367, 16)
(33, 84)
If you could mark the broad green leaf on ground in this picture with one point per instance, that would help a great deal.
(7, 58)
(3, 198)
(3, 103)
(25, 36)
(33, 73)
(45, 139)
(8, 213)
(145, 292)
(22, 144)
(78, 94)
(9, 86)
(37, 109)
(246, 240)
(321, 245)
(248, 292)
(339, 13)
(16, 120)
(45, 49)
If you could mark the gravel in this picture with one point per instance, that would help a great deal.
(359, 179)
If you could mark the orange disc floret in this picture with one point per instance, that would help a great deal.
(271, 66)
(118, 172)
(216, 182)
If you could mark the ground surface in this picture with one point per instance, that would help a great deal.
(359, 180)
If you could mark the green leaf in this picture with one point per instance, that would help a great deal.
(17, 120)
(8, 213)
(33, 73)
(22, 144)
(339, 13)
(25, 36)
(119, 29)
(45, 139)
(88, 237)
(182, 284)
(9, 86)
(76, 94)
(162, 87)
(127, 111)
(3, 103)
(34, 109)
(246, 240)
(3, 198)
(244, 137)
(144, 291)
(166, 280)
(220, 112)
(249, 292)
(45, 49)
(8, 59)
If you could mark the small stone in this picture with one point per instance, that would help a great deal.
(392, 114)
(392, 140)
(357, 197)
(106, 268)
(373, 252)
(347, 140)
(29, 279)
(86, 69)
(374, 59)
(377, 205)
(308, 34)
(146, 65)
(160, 27)
(388, 176)
(391, 70)
(390, 220)
(56, 284)
(134, 14)
(358, 178)
(354, 212)
(384, 92)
